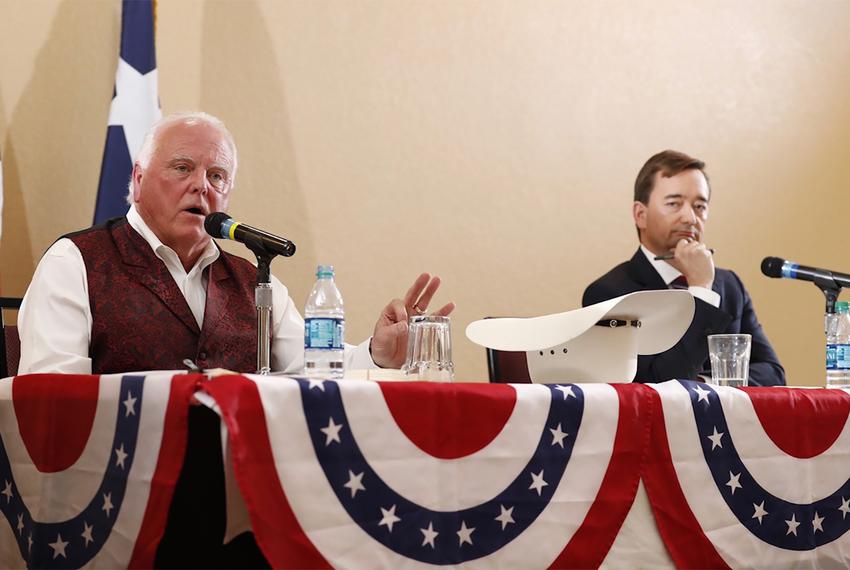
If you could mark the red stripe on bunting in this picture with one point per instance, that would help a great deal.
(445, 428)
(801, 422)
(681, 532)
(172, 450)
(70, 401)
(592, 541)
(277, 531)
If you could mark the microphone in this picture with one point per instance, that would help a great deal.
(782, 268)
(221, 225)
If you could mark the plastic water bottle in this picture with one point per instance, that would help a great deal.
(324, 328)
(838, 346)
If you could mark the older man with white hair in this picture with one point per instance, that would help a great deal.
(151, 289)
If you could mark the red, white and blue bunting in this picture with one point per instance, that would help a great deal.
(87, 467)
(761, 477)
(359, 474)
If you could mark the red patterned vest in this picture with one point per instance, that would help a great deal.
(140, 319)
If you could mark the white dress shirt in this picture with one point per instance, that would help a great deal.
(669, 274)
(55, 319)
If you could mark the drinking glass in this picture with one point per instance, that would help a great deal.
(429, 349)
(730, 359)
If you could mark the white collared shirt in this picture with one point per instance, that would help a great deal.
(55, 319)
(669, 274)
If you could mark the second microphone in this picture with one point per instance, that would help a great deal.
(221, 225)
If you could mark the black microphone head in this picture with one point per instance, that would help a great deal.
(772, 266)
(212, 223)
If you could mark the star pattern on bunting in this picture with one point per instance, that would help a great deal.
(7, 491)
(130, 405)
(388, 517)
(107, 504)
(817, 523)
(759, 511)
(792, 525)
(715, 438)
(355, 483)
(537, 482)
(702, 394)
(429, 535)
(331, 432)
(558, 436)
(87, 530)
(464, 535)
(121, 457)
(567, 391)
(733, 482)
(58, 547)
(505, 516)
(844, 508)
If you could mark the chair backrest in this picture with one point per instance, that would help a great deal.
(10, 342)
(507, 367)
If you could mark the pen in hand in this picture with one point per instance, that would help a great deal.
(671, 255)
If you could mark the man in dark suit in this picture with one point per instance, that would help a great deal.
(670, 211)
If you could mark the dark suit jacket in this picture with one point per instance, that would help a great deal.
(689, 357)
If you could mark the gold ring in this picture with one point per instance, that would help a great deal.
(418, 310)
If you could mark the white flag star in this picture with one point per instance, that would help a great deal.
(58, 547)
(122, 455)
(7, 490)
(320, 384)
(129, 108)
(87, 528)
(107, 504)
(505, 516)
(29, 543)
(844, 508)
(537, 482)
(464, 534)
(817, 522)
(792, 525)
(567, 391)
(331, 432)
(21, 525)
(355, 483)
(760, 512)
(558, 436)
(715, 438)
(702, 394)
(130, 404)
(430, 535)
(733, 482)
(389, 517)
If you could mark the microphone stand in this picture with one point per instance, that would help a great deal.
(830, 289)
(263, 302)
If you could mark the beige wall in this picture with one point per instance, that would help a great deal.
(491, 142)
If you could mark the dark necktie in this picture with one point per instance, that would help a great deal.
(679, 283)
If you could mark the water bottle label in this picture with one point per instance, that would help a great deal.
(324, 333)
(842, 356)
(830, 357)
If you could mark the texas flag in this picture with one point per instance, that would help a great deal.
(88, 465)
(135, 107)
(389, 475)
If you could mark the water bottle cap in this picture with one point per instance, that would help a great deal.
(325, 271)
(842, 307)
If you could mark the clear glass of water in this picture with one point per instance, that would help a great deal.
(730, 359)
(429, 349)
